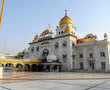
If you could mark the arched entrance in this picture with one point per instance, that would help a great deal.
(2, 65)
(81, 66)
(48, 68)
(55, 68)
(92, 65)
(34, 67)
(27, 67)
(19, 67)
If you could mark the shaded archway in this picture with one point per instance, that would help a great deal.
(19, 67)
(41, 68)
(34, 68)
(55, 68)
(2, 65)
(48, 68)
(27, 67)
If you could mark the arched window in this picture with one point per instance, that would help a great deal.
(102, 54)
(56, 45)
(91, 55)
(81, 55)
(81, 65)
(45, 52)
(64, 57)
(32, 49)
(64, 43)
(37, 48)
(73, 56)
(62, 32)
(73, 44)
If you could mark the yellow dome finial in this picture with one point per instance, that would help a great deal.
(36, 37)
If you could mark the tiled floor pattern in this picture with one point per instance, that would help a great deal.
(25, 81)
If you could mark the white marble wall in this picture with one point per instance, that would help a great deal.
(94, 47)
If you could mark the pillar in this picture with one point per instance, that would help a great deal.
(51, 68)
(1, 72)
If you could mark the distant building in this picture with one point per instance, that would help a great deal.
(6, 56)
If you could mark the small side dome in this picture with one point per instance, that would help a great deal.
(36, 37)
(45, 32)
(90, 36)
(68, 29)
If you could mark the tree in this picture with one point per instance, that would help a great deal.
(20, 55)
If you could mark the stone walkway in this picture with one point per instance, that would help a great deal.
(70, 81)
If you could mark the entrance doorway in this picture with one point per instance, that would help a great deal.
(103, 65)
(81, 65)
(34, 67)
(92, 65)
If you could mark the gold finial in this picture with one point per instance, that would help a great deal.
(65, 12)
(49, 26)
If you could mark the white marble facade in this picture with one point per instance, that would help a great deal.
(93, 56)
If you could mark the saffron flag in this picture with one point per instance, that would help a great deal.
(2, 13)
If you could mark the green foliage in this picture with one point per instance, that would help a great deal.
(20, 55)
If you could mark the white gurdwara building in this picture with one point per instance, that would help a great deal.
(64, 51)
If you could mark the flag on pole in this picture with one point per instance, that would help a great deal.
(2, 13)
(49, 26)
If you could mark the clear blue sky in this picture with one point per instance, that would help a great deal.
(23, 19)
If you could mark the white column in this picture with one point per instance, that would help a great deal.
(1, 72)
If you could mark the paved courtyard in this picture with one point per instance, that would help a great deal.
(55, 81)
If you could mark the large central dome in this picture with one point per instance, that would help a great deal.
(65, 20)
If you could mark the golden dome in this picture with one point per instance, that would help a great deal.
(36, 37)
(47, 32)
(66, 20)
(68, 29)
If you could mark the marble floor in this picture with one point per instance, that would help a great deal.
(54, 81)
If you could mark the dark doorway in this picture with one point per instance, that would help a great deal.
(27, 67)
(81, 65)
(92, 65)
(45, 54)
(55, 68)
(48, 68)
(41, 68)
(19, 67)
(34, 67)
(103, 65)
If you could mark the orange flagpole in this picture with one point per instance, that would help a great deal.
(2, 13)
